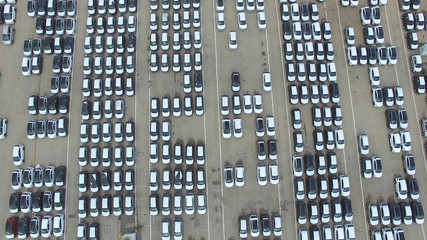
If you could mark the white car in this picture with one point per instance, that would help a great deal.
(232, 40)
(345, 185)
(221, 23)
(262, 174)
(266, 81)
(228, 177)
(237, 128)
(405, 137)
(363, 144)
(226, 128)
(274, 173)
(374, 76)
(416, 63)
(298, 141)
(240, 175)
(339, 138)
(401, 188)
(352, 56)
(395, 142)
(243, 24)
(262, 24)
(349, 34)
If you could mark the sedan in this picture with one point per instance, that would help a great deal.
(365, 15)
(409, 163)
(377, 97)
(392, 55)
(17, 179)
(232, 37)
(262, 174)
(401, 188)
(363, 144)
(228, 176)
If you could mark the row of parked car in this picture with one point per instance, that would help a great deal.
(322, 188)
(118, 65)
(250, 104)
(306, 31)
(108, 86)
(175, 204)
(328, 233)
(186, 40)
(189, 19)
(48, 46)
(102, 205)
(395, 213)
(35, 227)
(27, 202)
(188, 62)
(268, 226)
(37, 177)
(302, 71)
(316, 94)
(400, 141)
(110, 44)
(308, 51)
(387, 96)
(330, 164)
(55, 26)
(101, 25)
(336, 210)
(176, 108)
(405, 188)
(188, 178)
(372, 55)
(50, 128)
(192, 152)
(84, 233)
(176, 4)
(95, 158)
(96, 181)
(51, 8)
(414, 21)
(44, 105)
(102, 7)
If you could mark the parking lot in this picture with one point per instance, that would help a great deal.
(258, 51)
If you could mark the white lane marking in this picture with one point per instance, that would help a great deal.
(412, 91)
(219, 121)
(272, 105)
(205, 140)
(289, 130)
(354, 122)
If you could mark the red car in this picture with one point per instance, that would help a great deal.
(11, 227)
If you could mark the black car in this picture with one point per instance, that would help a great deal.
(48, 45)
(42, 103)
(71, 6)
(272, 148)
(14, 206)
(37, 45)
(131, 42)
(54, 84)
(396, 213)
(106, 179)
(57, 64)
(347, 210)
(86, 109)
(36, 201)
(69, 45)
(301, 212)
(60, 176)
(64, 102)
(23, 227)
(259, 125)
(287, 31)
(28, 47)
(40, 25)
(306, 29)
(413, 188)
(372, 55)
(198, 80)
(60, 26)
(265, 223)
(41, 7)
(31, 8)
(94, 180)
(47, 201)
(392, 117)
(235, 81)
(65, 83)
(311, 187)
(334, 91)
(35, 226)
(418, 211)
(304, 11)
(31, 128)
(52, 104)
(61, 7)
(38, 177)
(309, 164)
(261, 149)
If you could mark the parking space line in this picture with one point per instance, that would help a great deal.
(412, 90)
(219, 122)
(272, 108)
(354, 122)
(287, 112)
(205, 139)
